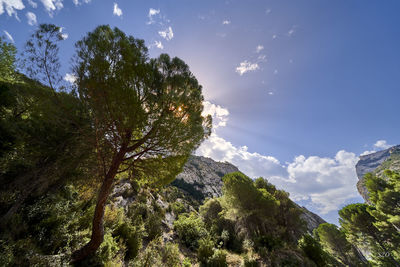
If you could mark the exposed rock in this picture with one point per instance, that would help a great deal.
(201, 177)
(312, 220)
(376, 163)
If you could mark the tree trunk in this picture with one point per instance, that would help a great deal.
(98, 227)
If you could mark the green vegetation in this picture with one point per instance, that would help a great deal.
(86, 172)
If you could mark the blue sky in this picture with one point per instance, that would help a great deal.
(298, 89)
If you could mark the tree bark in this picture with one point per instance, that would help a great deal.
(98, 227)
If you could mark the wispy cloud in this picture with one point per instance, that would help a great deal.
(259, 48)
(9, 36)
(167, 34)
(11, 7)
(157, 44)
(32, 4)
(77, 2)
(292, 31)
(226, 22)
(246, 66)
(52, 5)
(152, 12)
(117, 11)
(31, 18)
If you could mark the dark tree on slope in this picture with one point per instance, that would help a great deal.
(146, 113)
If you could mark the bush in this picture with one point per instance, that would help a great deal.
(132, 235)
(158, 254)
(205, 250)
(218, 259)
(190, 229)
(170, 255)
(153, 226)
(177, 208)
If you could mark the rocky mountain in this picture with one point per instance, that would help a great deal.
(202, 178)
(376, 163)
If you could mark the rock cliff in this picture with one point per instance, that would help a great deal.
(376, 163)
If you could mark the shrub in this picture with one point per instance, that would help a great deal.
(132, 235)
(177, 207)
(205, 250)
(190, 229)
(218, 259)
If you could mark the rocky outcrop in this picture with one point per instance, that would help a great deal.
(376, 163)
(202, 177)
(312, 220)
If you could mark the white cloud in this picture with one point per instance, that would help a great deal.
(218, 114)
(327, 182)
(70, 78)
(11, 6)
(52, 5)
(382, 144)
(246, 66)
(31, 18)
(367, 152)
(77, 3)
(275, 72)
(274, 36)
(152, 13)
(252, 164)
(32, 4)
(226, 22)
(63, 34)
(271, 93)
(323, 182)
(259, 48)
(167, 34)
(9, 36)
(117, 11)
(157, 44)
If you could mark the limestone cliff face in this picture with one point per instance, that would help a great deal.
(202, 177)
(376, 163)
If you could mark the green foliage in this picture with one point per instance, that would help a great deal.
(178, 208)
(313, 250)
(205, 249)
(218, 259)
(159, 254)
(132, 236)
(190, 229)
(7, 60)
(360, 226)
(335, 243)
(41, 51)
